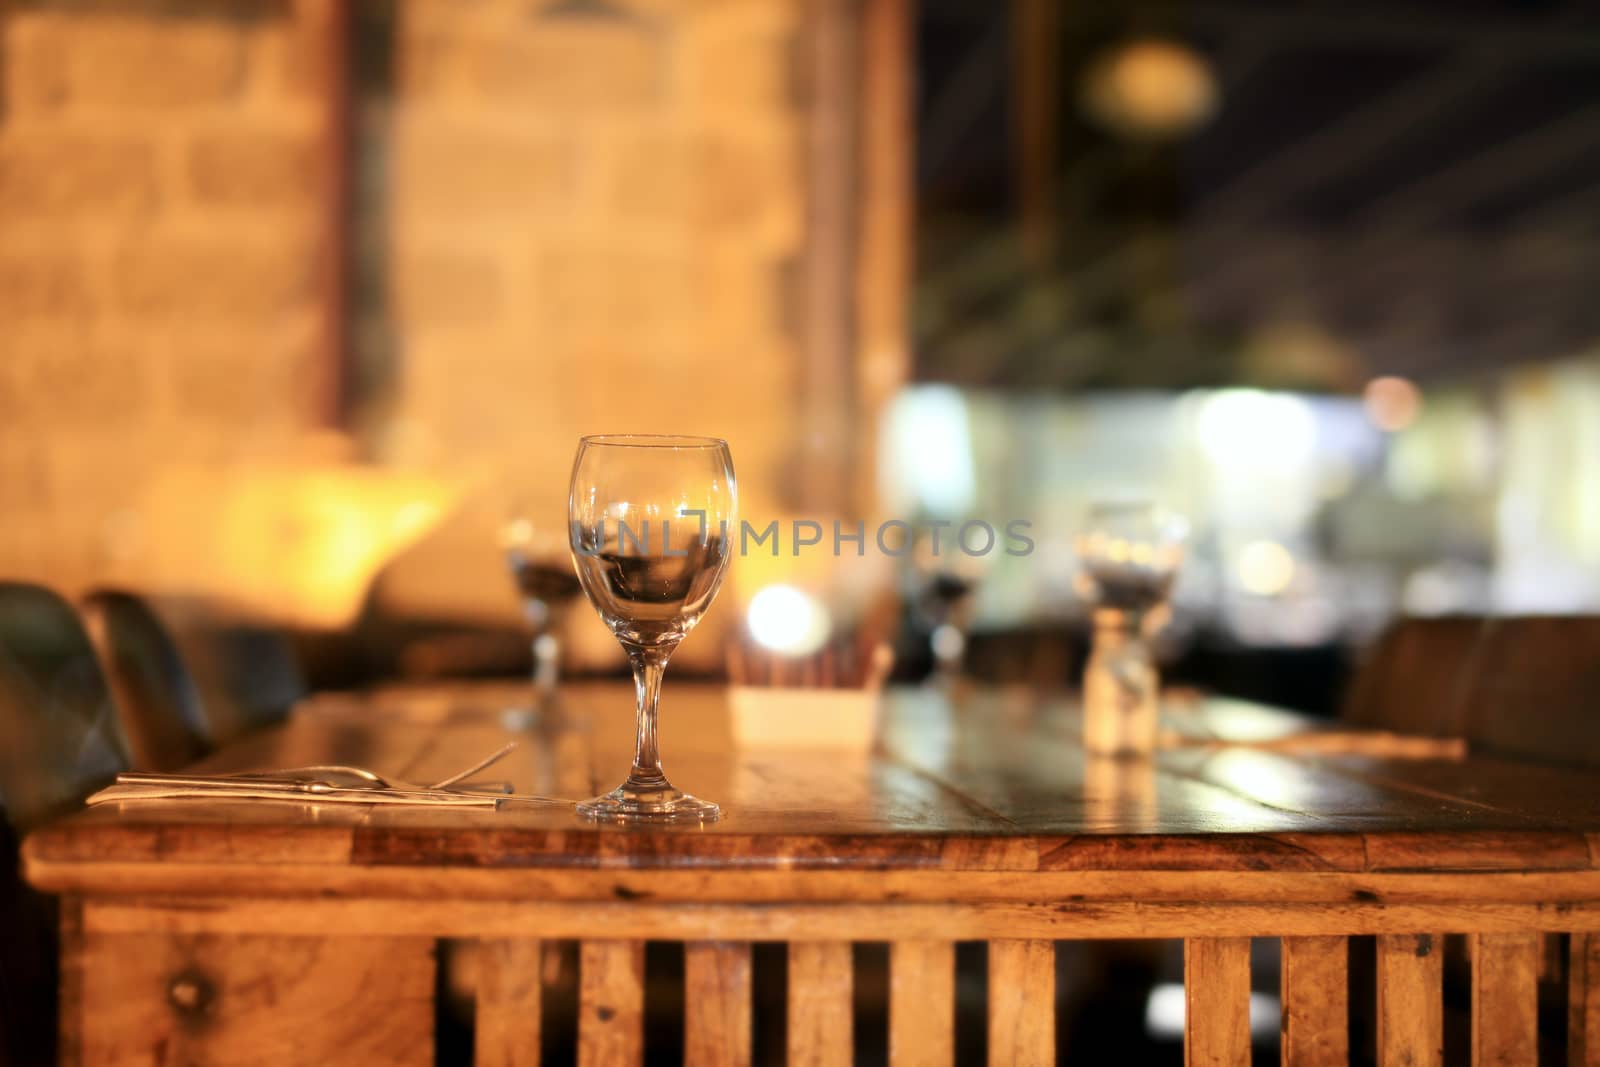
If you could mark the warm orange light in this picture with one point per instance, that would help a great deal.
(1152, 88)
(299, 544)
(1392, 403)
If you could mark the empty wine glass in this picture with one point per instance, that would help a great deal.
(1130, 552)
(947, 578)
(650, 517)
(541, 566)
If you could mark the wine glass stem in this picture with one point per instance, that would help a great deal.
(546, 656)
(648, 666)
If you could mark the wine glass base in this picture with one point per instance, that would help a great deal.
(625, 804)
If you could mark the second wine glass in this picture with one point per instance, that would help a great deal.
(541, 566)
(650, 520)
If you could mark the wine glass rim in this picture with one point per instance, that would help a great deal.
(651, 440)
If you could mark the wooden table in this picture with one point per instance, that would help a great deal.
(279, 932)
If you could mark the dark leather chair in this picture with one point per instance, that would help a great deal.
(1418, 677)
(1526, 687)
(59, 734)
(156, 699)
(246, 675)
(59, 740)
(1536, 692)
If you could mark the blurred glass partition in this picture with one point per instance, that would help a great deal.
(1316, 517)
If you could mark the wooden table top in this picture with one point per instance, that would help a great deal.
(989, 780)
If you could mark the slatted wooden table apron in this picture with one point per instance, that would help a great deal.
(266, 932)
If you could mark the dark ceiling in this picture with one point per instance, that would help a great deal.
(1407, 188)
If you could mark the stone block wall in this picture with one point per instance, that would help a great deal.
(575, 216)
(594, 225)
(157, 237)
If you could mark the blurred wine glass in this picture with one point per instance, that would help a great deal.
(1129, 552)
(947, 579)
(541, 567)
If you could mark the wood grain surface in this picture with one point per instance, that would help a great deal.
(1316, 1001)
(1410, 1000)
(820, 1026)
(1505, 999)
(716, 1003)
(140, 999)
(1022, 1002)
(922, 1003)
(1583, 1001)
(1216, 988)
(610, 1003)
(991, 782)
(508, 1015)
(975, 817)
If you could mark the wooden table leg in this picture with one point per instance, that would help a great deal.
(227, 999)
(1583, 1001)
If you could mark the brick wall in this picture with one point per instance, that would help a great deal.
(592, 223)
(157, 232)
(575, 217)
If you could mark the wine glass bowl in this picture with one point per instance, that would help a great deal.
(656, 599)
(649, 533)
(541, 567)
(947, 579)
(1130, 552)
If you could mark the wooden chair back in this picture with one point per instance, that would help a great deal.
(1536, 693)
(156, 698)
(1523, 686)
(1418, 676)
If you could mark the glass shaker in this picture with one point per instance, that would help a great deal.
(1129, 553)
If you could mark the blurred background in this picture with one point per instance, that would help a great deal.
(301, 301)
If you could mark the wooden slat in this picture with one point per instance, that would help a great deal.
(821, 1030)
(1316, 1001)
(508, 1016)
(70, 985)
(922, 999)
(611, 1003)
(1216, 992)
(1583, 1001)
(238, 1000)
(1410, 1000)
(1022, 1002)
(716, 1003)
(1505, 999)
